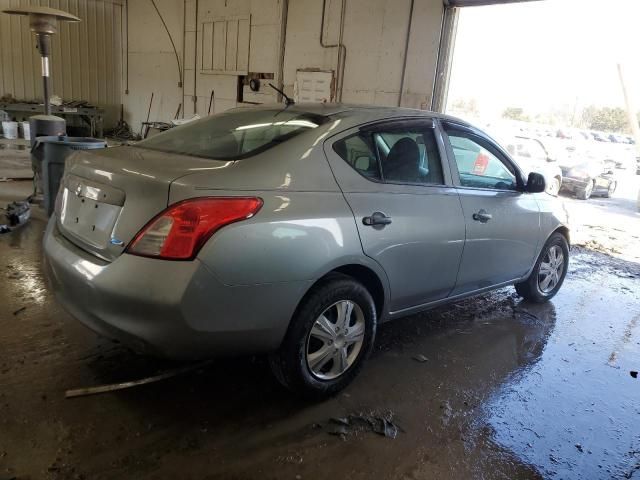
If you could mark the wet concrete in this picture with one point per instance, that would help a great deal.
(508, 390)
(15, 161)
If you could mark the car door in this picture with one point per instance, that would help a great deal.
(407, 211)
(502, 221)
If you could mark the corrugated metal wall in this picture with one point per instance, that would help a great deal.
(86, 56)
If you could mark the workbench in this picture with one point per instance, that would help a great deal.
(91, 116)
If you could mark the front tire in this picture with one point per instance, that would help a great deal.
(611, 189)
(330, 336)
(548, 273)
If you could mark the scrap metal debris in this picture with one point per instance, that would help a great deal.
(354, 423)
(20, 310)
(81, 392)
(17, 213)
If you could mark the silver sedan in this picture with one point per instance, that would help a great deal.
(294, 231)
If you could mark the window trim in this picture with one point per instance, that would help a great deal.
(393, 125)
(488, 144)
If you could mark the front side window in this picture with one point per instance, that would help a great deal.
(234, 134)
(479, 167)
(394, 156)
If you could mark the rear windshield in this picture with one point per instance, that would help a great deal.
(233, 135)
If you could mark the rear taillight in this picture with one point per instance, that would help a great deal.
(181, 230)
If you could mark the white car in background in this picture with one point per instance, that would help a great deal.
(532, 155)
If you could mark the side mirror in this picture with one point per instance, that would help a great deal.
(536, 183)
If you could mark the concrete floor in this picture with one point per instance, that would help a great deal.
(510, 390)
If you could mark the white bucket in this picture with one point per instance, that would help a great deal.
(10, 129)
(26, 133)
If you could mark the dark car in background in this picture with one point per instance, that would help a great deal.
(587, 176)
(599, 137)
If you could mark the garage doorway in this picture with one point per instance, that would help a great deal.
(544, 79)
(554, 82)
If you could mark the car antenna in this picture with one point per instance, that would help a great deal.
(287, 99)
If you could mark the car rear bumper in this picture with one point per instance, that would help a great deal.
(171, 309)
(573, 184)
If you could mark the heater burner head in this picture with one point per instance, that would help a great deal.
(43, 19)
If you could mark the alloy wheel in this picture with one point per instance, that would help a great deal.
(551, 269)
(335, 340)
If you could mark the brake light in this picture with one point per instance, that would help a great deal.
(179, 232)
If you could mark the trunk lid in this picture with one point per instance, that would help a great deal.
(107, 196)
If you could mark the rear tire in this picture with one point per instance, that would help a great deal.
(534, 288)
(316, 347)
(585, 193)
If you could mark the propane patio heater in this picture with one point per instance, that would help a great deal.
(43, 21)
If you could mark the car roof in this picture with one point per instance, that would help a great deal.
(357, 114)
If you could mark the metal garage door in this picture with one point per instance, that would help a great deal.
(86, 58)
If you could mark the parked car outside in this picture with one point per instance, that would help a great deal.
(294, 232)
(585, 175)
(599, 136)
(531, 156)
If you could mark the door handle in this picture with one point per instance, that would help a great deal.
(376, 218)
(482, 216)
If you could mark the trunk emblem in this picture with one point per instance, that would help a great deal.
(116, 241)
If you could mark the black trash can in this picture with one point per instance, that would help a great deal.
(48, 156)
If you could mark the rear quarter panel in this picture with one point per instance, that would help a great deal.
(296, 236)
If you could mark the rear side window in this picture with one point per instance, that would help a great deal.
(234, 135)
(359, 152)
(395, 156)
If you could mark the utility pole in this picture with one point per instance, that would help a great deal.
(631, 108)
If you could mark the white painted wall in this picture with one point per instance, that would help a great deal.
(374, 34)
(152, 63)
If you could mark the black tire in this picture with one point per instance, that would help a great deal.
(612, 189)
(530, 288)
(585, 193)
(289, 364)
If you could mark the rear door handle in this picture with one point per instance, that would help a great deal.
(376, 218)
(482, 216)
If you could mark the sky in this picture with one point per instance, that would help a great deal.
(547, 54)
